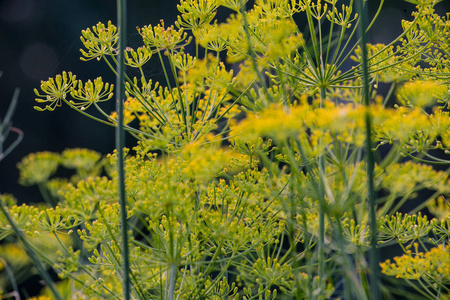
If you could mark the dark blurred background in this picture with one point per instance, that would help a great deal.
(40, 38)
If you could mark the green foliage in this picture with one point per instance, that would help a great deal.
(249, 182)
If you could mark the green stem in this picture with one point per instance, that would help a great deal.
(172, 277)
(82, 267)
(10, 274)
(437, 163)
(354, 286)
(374, 255)
(120, 143)
(110, 120)
(225, 265)
(155, 112)
(330, 36)
(169, 86)
(424, 203)
(396, 40)
(430, 293)
(389, 94)
(400, 203)
(349, 52)
(322, 205)
(184, 106)
(436, 159)
(44, 192)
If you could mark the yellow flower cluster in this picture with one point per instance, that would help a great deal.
(100, 41)
(432, 266)
(13, 255)
(55, 90)
(196, 13)
(275, 121)
(404, 229)
(386, 63)
(402, 178)
(420, 93)
(209, 73)
(439, 207)
(206, 166)
(90, 93)
(400, 125)
(131, 108)
(294, 176)
(162, 38)
(37, 167)
(79, 158)
(346, 123)
(138, 57)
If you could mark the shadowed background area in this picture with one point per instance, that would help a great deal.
(40, 39)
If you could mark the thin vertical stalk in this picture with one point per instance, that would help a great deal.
(120, 143)
(321, 173)
(374, 255)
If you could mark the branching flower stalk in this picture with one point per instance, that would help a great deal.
(252, 173)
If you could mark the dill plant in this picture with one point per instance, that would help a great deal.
(256, 181)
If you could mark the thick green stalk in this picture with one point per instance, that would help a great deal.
(120, 143)
(374, 255)
(171, 282)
